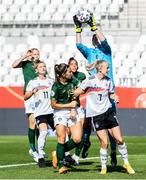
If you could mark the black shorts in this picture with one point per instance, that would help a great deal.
(106, 120)
(46, 119)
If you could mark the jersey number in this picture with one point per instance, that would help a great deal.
(46, 95)
(100, 97)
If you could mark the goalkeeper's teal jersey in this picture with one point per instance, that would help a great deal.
(99, 53)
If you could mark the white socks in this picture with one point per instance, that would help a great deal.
(67, 153)
(103, 157)
(41, 141)
(123, 151)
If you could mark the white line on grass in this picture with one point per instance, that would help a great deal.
(28, 164)
(16, 165)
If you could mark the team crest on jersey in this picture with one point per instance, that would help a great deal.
(59, 119)
(63, 91)
(52, 93)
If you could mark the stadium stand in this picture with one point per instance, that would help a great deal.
(48, 25)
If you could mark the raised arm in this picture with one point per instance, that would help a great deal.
(100, 35)
(78, 38)
(18, 63)
(92, 24)
(78, 29)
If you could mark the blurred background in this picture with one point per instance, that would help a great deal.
(48, 26)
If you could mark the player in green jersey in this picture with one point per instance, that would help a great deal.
(79, 76)
(73, 64)
(27, 62)
(66, 112)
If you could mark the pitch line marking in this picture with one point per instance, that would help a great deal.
(16, 165)
(28, 164)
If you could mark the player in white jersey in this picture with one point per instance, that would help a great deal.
(40, 89)
(99, 89)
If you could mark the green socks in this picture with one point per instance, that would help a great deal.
(31, 137)
(69, 145)
(60, 154)
(79, 147)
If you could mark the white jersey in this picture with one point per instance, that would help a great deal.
(42, 96)
(97, 99)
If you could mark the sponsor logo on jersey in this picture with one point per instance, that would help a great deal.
(94, 89)
(42, 87)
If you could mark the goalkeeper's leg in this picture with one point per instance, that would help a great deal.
(113, 150)
(86, 137)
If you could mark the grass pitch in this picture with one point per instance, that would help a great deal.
(16, 163)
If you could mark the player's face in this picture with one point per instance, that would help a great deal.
(68, 74)
(35, 55)
(73, 66)
(105, 69)
(41, 69)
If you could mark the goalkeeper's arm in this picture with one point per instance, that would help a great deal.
(77, 24)
(100, 35)
(92, 24)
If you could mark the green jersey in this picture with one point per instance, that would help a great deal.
(29, 72)
(80, 76)
(62, 93)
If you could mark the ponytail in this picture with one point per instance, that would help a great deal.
(60, 69)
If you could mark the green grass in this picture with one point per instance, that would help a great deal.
(14, 150)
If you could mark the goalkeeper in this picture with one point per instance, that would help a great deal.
(101, 51)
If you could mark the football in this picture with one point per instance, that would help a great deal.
(83, 15)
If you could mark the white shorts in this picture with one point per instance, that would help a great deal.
(29, 106)
(81, 112)
(63, 117)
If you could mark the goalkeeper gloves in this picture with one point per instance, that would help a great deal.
(92, 23)
(77, 24)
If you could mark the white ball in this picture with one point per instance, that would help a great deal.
(83, 15)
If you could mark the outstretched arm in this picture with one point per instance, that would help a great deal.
(78, 38)
(78, 29)
(92, 24)
(78, 91)
(18, 63)
(100, 35)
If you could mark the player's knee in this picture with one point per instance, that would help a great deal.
(61, 139)
(32, 123)
(43, 134)
(120, 141)
(104, 144)
(77, 140)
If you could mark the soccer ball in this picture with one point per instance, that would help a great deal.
(83, 15)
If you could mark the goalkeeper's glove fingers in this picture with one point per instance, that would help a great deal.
(92, 23)
(77, 24)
